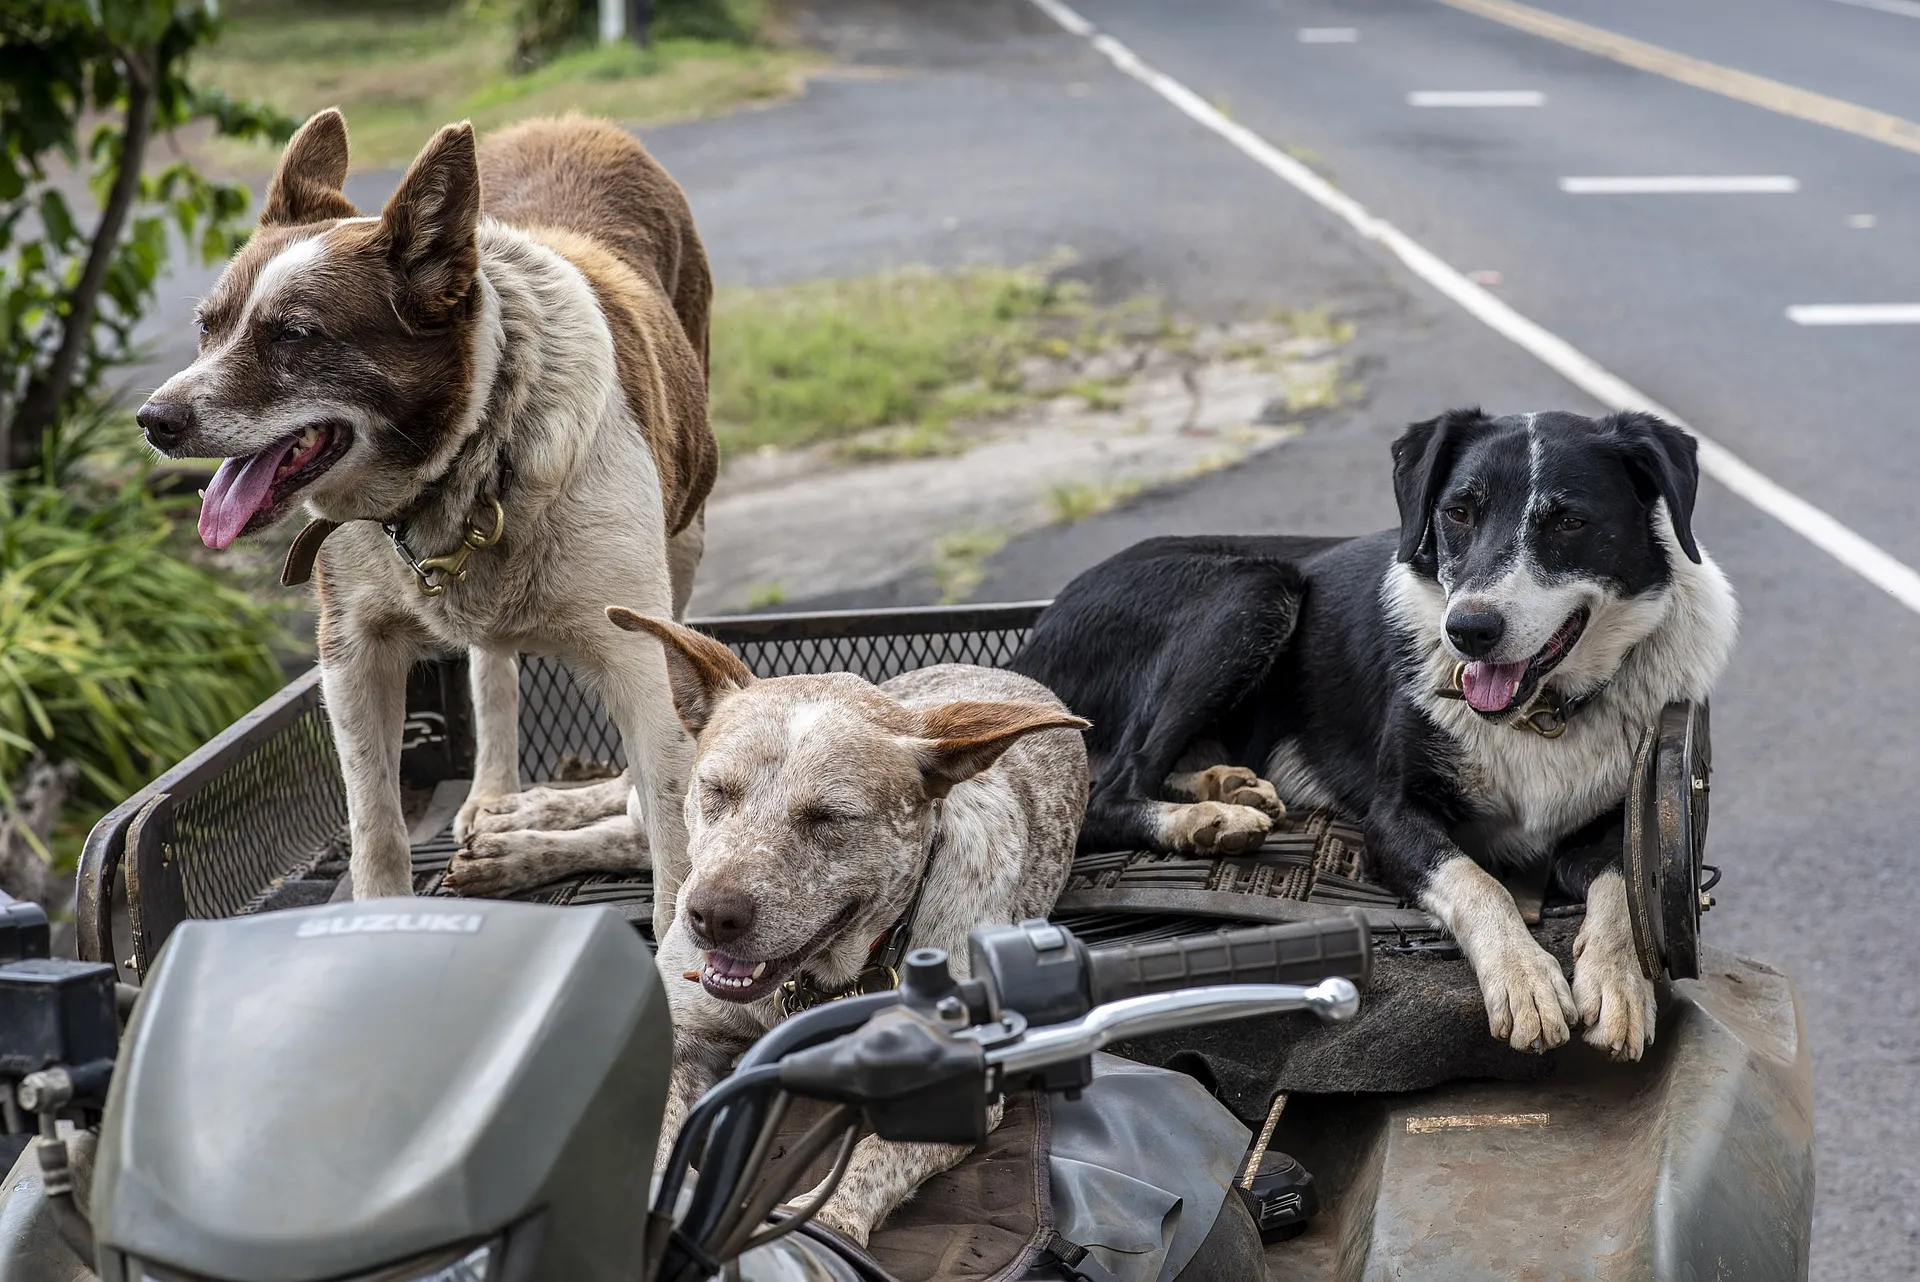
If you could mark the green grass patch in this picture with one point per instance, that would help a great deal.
(399, 71)
(1078, 500)
(960, 561)
(1314, 322)
(910, 351)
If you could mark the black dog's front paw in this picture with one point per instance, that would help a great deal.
(1214, 827)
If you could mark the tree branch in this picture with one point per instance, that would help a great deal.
(41, 405)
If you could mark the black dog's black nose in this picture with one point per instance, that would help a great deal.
(719, 917)
(1475, 633)
(166, 423)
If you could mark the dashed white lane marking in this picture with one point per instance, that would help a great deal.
(1858, 554)
(1476, 98)
(1682, 185)
(1855, 314)
(1905, 8)
(1327, 35)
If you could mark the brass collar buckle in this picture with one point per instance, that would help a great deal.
(1546, 714)
(801, 993)
(436, 572)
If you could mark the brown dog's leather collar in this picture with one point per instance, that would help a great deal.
(298, 567)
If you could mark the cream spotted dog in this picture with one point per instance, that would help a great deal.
(813, 833)
(505, 369)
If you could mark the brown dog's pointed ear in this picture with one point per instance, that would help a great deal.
(306, 188)
(432, 226)
(700, 670)
(959, 740)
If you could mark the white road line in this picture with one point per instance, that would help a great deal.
(1327, 35)
(1864, 558)
(1855, 314)
(1682, 185)
(1905, 8)
(1476, 98)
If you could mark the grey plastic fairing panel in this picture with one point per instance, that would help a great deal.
(1695, 1163)
(315, 1093)
(1140, 1165)
(31, 1248)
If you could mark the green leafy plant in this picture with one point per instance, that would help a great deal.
(116, 652)
(85, 87)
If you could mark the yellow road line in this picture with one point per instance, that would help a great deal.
(1803, 104)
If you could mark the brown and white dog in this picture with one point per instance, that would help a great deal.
(812, 830)
(506, 369)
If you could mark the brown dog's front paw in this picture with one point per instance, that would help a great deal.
(1214, 827)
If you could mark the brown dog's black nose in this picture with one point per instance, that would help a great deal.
(166, 423)
(719, 916)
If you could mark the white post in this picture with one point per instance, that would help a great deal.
(613, 21)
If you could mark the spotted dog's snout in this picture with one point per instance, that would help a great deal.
(1475, 632)
(166, 423)
(719, 916)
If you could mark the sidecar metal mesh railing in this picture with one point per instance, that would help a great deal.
(559, 719)
(262, 805)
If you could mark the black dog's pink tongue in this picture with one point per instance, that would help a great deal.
(1490, 687)
(238, 490)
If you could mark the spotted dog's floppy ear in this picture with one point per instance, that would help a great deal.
(959, 740)
(1422, 458)
(306, 187)
(700, 670)
(1664, 463)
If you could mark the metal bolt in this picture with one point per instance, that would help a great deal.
(1699, 784)
(1706, 901)
(44, 1091)
(951, 1010)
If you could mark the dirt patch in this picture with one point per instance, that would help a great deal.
(1100, 427)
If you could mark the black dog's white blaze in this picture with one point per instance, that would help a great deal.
(1544, 552)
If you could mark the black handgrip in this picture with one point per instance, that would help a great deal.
(1298, 953)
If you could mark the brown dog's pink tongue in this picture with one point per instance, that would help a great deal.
(1490, 687)
(237, 491)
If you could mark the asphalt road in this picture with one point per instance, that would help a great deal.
(1017, 129)
(983, 132)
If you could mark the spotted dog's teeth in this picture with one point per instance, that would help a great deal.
(714, 977)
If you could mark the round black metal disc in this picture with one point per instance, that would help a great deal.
(1680, 769)
(1640, 858)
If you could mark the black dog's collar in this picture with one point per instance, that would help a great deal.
(1546, 714)
(882, 971)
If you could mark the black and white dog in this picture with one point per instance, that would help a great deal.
(1473, 684)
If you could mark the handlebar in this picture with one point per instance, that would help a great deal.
(1333, 999)
(1297, 953)
(922, 1063)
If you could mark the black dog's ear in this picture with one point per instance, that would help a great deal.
(1664, 463)
(1422, 458)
